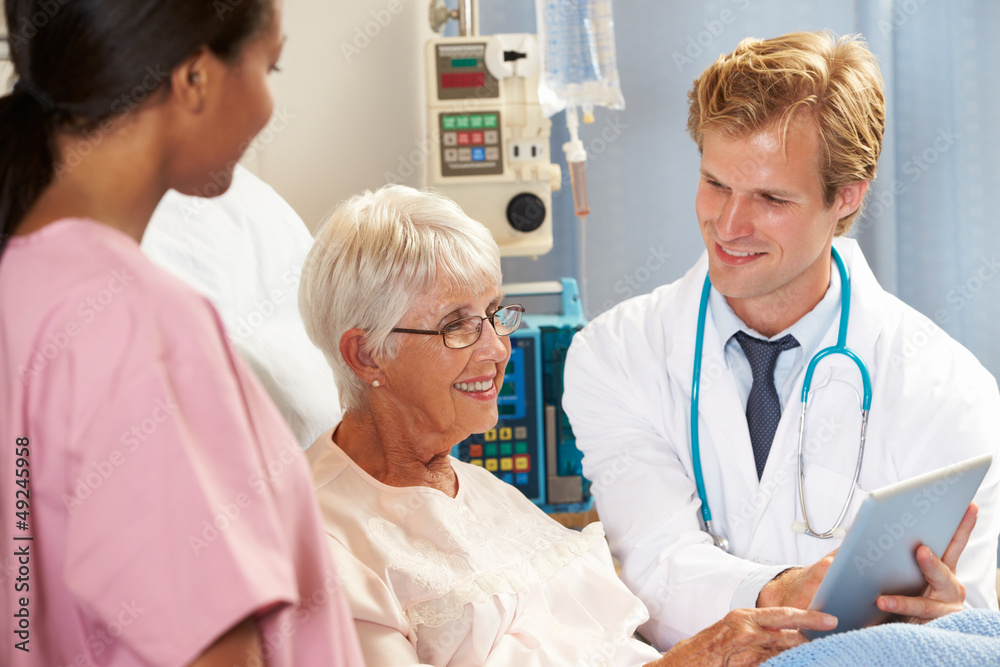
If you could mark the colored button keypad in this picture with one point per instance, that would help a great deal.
(471, 138)
(508, 459)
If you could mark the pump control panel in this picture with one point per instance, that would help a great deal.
(489, 139)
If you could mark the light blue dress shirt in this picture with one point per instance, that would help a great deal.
(809, 331)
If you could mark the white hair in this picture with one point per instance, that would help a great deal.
(377, 254)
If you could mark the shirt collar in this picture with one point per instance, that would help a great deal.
(808, 331)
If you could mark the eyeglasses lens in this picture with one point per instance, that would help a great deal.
(466, 331)
(507, 320)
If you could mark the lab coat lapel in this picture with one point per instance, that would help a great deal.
(868, 316)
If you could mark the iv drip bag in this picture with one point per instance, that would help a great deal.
(580, 66)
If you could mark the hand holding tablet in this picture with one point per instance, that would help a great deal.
(879, 556)
(944, 593)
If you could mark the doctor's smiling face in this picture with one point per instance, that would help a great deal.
(765, 223)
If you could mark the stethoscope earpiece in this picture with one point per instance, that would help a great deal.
(798, 527)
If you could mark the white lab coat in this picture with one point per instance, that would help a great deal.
(628, 391)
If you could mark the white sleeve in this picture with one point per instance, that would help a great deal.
(645, 496)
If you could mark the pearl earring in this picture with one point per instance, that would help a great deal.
(376, 383)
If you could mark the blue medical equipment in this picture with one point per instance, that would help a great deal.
(840, 348)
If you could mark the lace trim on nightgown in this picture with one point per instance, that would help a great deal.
(490, 552)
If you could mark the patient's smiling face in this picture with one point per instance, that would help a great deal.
(443, 394)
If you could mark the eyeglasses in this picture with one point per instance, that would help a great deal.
(466, 331)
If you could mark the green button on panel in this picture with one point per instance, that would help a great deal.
(520, 447)
(505, 449)
(462, 122)
(448, 122)
(475, 122)
(490, 120)
(490, 450)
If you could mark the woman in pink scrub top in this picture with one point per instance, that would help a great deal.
(156, 510)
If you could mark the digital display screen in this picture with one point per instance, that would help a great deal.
(507, 409)
(463, 80)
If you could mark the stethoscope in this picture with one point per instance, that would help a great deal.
(840, 348)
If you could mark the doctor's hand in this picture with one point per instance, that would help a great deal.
(746, 637)
(796, 586)
(944, 593)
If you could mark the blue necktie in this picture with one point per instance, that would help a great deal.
(763, 406)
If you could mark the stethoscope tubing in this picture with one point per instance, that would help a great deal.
(839, 348)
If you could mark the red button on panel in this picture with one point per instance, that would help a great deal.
(475, 450)
(522, 462)
(463, 138)
(477, 137)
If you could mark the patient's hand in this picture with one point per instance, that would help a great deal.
(746, 637)
(795, 587)
(944, 593)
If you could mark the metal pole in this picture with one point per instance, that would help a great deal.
(468, 19)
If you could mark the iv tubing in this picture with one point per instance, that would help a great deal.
(576, 160)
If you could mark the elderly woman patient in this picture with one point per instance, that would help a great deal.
(442, 563)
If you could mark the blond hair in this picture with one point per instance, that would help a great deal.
(767, 81)
(377, 254)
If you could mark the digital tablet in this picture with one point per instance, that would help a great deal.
(878, 556)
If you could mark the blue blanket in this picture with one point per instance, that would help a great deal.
(969, 638)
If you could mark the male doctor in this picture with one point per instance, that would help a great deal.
(790, 131)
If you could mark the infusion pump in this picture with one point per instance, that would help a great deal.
(489, 139)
